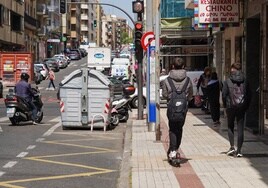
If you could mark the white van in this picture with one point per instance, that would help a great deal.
(120, 66)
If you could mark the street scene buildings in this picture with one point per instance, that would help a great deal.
(104, 123)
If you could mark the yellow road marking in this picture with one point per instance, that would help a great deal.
(66, 154)
(68, 164)
(5, 183)
(80, 146)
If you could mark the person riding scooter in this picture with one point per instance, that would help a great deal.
(23, 89)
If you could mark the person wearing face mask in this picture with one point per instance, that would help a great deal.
(203, 83)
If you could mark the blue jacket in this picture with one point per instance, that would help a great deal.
(23, 89)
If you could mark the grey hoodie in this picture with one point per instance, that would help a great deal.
(235, 77)
(179, 78)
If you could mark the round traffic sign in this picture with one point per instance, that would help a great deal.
(146, 39)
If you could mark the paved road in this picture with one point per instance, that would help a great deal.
(47, 156)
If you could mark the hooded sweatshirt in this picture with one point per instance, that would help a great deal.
(179, 78)
(235, 77)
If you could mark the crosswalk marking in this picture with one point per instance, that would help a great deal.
(22, 154)
(57, 119)
(1, 130)
(2, 119)
(10, 164)
(31, 147)
(1, 173)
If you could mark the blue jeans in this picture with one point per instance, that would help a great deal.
(51, 82)
(34, 110)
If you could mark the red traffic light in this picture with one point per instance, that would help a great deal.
(138, 26)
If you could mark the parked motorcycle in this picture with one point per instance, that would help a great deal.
(18, 109)
(120, 109)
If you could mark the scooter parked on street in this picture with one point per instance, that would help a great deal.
(19, 111)
(120, 108)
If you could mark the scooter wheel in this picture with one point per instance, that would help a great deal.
(114, 119)
(14, 121)
(40, 118)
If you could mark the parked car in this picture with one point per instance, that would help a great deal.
(83, 52)
(63, 56)
(74, 54)
(42, 69)
(52, 63)
(62, 62)
(122, 86)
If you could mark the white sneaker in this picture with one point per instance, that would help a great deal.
(172, 154)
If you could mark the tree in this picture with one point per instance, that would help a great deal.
(125, 39)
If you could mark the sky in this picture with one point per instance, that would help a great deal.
(123, 4)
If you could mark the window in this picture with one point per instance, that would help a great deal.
(1, 15)
(16, 22)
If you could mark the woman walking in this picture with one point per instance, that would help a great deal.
(51, 77)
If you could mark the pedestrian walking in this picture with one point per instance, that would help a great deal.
(203, 82)
(213, 93)
(51, 77)
(176, 87)
(236, 99)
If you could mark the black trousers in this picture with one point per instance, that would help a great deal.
(214, 109)
(238, 115)
(175, 135)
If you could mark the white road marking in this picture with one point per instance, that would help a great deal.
(1, 130)
(75, 65)
(2, 119)
(40, 139)
(22, 154)
(10, 164)
(1, 173)
(52, 129)
(31, 147)
(57, 119)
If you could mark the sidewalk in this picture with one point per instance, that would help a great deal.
(205, 163)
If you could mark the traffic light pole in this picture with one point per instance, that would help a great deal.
(140, 76)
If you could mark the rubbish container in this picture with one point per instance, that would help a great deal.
(86, 99)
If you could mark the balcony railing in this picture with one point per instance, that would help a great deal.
(30, 20)
(42, 31)
(42, 9)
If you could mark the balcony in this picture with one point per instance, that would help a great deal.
(31, 22)
(73, 20)
(84, 28)
(42, 31)
(84, 17)
(109, 33)
(42, 10)
(84, 6)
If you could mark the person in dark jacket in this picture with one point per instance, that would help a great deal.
(213, 93)
(203, 82)
(23, 89)
(178, 76)
(235, 112)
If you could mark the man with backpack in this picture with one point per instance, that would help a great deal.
(236, 99)
(178, 90)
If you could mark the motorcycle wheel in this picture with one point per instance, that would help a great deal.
(14, 121)
(125, 118)
(114, 119)
(40, 118)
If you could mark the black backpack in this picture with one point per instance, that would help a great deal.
(177, 106)
(237, 93)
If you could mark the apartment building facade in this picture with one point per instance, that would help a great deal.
(12, 25)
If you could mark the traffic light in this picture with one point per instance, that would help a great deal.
(63, 6)
(137, 6)
(95, 23)
(138, 36)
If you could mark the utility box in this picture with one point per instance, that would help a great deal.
(86, 99)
